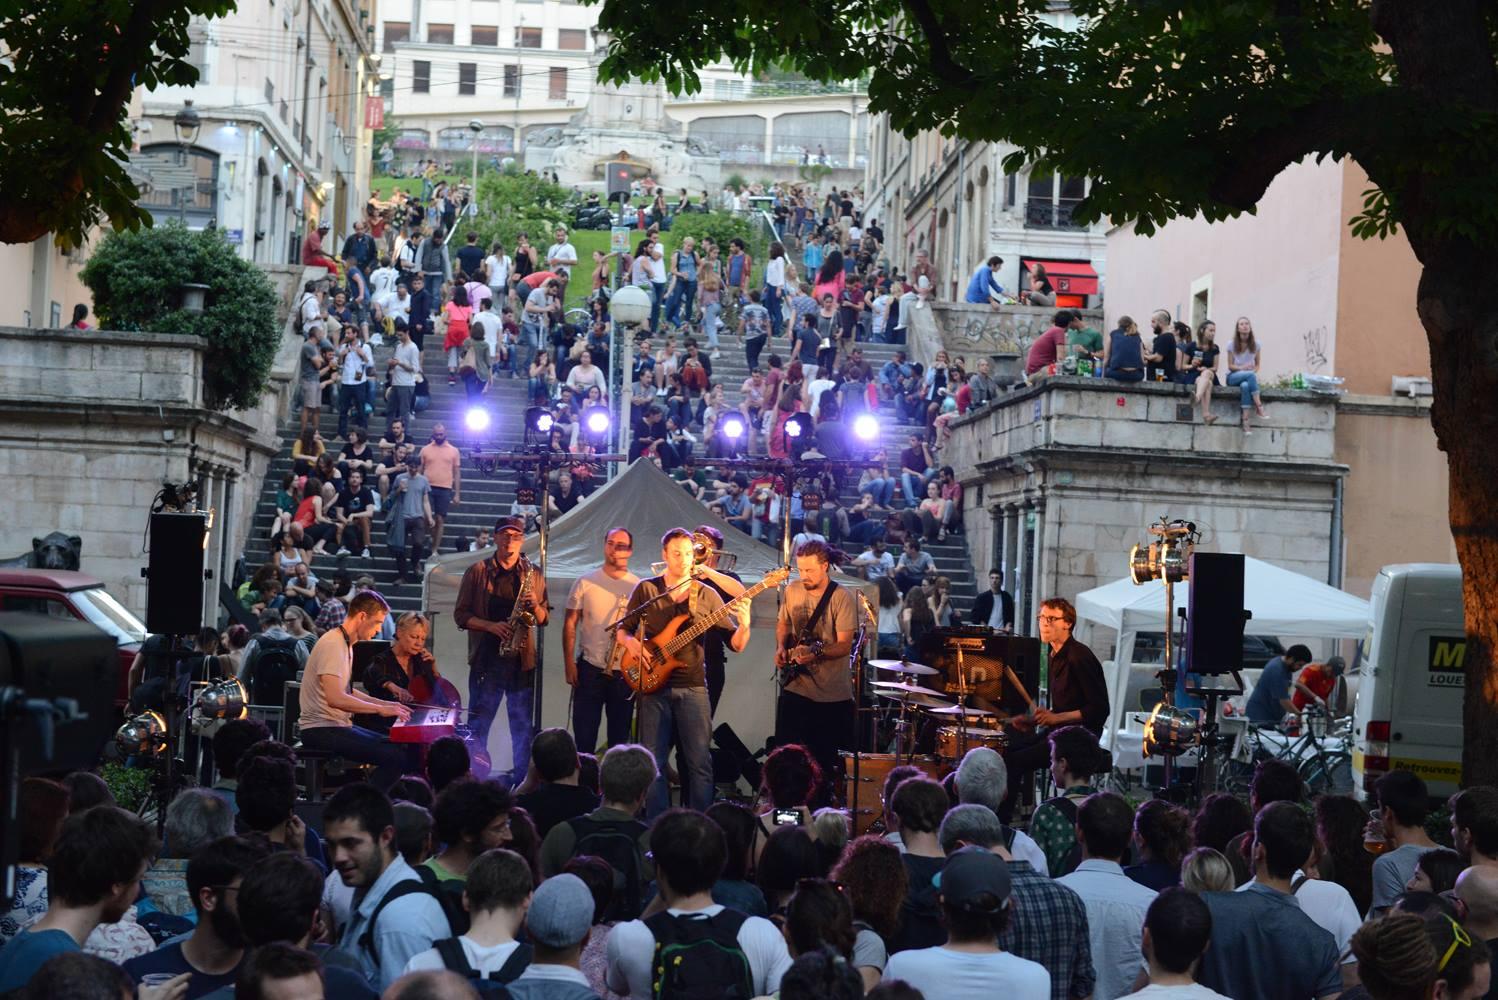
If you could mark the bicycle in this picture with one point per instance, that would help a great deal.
(1324, 768)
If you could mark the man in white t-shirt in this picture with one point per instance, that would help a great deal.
(382, 282)
(497, 894)
(1177, 929)
(489, 321)
(596, 601)
(690, 853)
(973, 888)
(561, 256)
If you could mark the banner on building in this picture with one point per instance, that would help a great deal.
(374, 112)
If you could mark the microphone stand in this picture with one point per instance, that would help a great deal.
(856, 666)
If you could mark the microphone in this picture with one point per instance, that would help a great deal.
(863, 603)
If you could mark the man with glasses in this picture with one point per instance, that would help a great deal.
(596, 601)
(1078, 696)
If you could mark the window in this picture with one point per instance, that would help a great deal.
(440, 34)
(485, 36)
(468, 78)
(421, 76)
(557, 89)
(574, 39)
(197, 52)
(183, 186)
(396, 31)
(270, 93)
(1051, 201)
(512, 81)
(527, 38)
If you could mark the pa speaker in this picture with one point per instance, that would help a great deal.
(1214, 622)
(618, 178)
(174, 573)
(44, 659)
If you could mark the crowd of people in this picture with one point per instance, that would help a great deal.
(450, 886)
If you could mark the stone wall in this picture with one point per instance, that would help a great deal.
(1062, 478)
(93, 422)
(973, 331)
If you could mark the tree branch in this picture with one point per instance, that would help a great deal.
(942, 62)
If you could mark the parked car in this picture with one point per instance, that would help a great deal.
(68, 595)
(1149, 647)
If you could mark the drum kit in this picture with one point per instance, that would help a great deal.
(910, 708)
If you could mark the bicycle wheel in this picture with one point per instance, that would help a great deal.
(1329, 771)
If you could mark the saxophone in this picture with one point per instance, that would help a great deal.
(521, 620)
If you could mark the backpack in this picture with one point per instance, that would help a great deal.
(1067, 807)
(699, 958)
(468, 364)
(409, 887)
(274, 664)
(617, 842)
(449, 893)
(492, 984)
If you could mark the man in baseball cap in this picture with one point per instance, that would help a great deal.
(558, 923)
(312, 252)
(510, 522)
(973, 888)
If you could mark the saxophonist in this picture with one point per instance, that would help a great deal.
(501, 601)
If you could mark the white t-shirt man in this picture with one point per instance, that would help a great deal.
(357, 358)
(382, 284)
(1330, 906)
(482, 960)
(537, 299)
(657, 265)
(631, 954)
(406, 354)
(562, 256)
(490, 322)
(311, 309)
(1190, 991)
(601, 599)
(955, 975)
(398, 306)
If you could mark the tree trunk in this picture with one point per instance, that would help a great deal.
(1461, 322)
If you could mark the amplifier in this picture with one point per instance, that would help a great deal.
(984, 655)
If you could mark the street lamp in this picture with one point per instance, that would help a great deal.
(629, 306)
(477, 128)
(188, 123)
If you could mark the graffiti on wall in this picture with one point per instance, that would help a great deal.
(1316, 345)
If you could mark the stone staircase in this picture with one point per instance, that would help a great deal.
(484, 497)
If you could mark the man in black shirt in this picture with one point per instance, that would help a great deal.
(1078, 696)
(679, 713)
(551, 793)
(471, 257)
(1161, 358)
(714, 645)
(353, 512)
(995, 606)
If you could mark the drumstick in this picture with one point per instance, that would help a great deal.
(1020, 687)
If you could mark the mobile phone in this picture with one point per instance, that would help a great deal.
(787, 817)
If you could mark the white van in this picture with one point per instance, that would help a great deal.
(1408, 713)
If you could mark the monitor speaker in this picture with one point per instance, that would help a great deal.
(174, 573)
(1214, 621)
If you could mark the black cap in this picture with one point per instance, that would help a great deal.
(510, 523)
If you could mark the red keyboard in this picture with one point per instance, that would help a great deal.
(425, 726)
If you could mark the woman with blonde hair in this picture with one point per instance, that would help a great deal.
(1207, 870)
(1244, 361)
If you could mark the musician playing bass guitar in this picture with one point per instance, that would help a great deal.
(679, 713)
(813, 637)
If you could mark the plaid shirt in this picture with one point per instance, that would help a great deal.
(330, 614)
(1048, 924)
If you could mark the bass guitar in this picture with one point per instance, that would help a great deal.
(647, 672)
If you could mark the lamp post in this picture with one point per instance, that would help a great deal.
(629, 306)
(477, 128)
(187, 123)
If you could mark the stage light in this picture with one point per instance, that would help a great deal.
(142, 736)
(793, 428)
(476, 419)
(596, 419)
(1170, 732)
(544, 422)
(866, 427)
(733, 428)
(225, 700)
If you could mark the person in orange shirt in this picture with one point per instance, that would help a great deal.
(1315, 683)
(442, 464)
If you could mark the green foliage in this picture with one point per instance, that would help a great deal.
(136, 279)
(814, 173)
(512, 202)
(382, 137)
(71, 66)
(130, 786)
(736, 180)
(1171, 108)
(720, 227)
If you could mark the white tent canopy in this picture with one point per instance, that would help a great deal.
(648, 502)
(1281, 603)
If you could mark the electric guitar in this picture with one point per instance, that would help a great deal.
(648, 671)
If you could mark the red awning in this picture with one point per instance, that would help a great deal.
(1071, 277)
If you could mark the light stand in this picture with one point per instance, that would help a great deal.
(1167, 560)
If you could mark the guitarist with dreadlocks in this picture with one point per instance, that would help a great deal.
(678, 712)
(813, 638)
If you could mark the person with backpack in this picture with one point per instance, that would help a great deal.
(272, 658)
(496, 895)
(1075, 758)
(559, 922)
(918, 806)
(394, 916)
(612, 832)
(695, 949)
(470, 817)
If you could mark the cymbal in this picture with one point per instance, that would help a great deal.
(903, 667)
(908, 688)
(974, 733)
(920, 701)
(962, 710)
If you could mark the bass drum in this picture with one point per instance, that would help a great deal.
(863, 798)
(950, 745)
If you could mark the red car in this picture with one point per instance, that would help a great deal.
(64, 594)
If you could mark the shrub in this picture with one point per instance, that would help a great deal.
(720, 227)
(512, 202)
(136, 278)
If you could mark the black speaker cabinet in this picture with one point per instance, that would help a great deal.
(174, 573)
(1214, 621)
(47, 658)
(984, 655)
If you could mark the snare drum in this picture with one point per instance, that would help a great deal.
(862, 797)
(950, 746)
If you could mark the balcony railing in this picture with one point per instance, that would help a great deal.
(1051, 215)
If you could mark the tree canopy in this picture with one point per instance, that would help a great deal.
(1172, 108)
(71, 66)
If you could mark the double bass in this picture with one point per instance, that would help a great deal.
(430, 690)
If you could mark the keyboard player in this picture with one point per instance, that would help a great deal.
(390, 674)
(328, 705)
